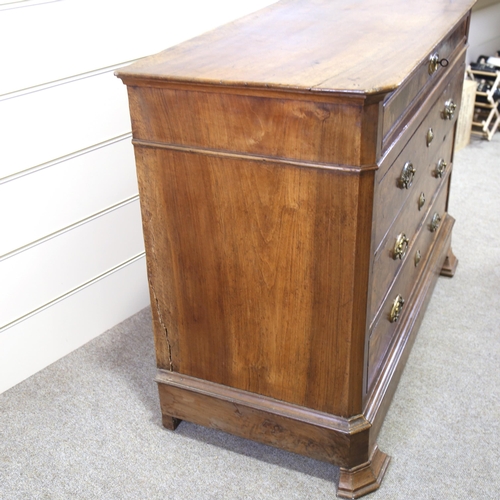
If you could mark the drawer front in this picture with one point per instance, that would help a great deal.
(391, 194)
(383, 330)
(388, 259)
(408, 96)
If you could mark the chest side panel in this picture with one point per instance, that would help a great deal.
(254, 270)
(316, 128)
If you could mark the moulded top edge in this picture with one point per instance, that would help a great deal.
(362, 47)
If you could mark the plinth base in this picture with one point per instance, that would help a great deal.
(363, 478)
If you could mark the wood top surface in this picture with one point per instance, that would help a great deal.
(358, 46)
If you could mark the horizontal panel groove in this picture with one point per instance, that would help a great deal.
(56, 161)
(70, 227)
(71, 292)
(253, 157)
(24, 3)
(42, 126)
(63, 81)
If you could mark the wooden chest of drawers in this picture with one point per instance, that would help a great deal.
(294, 170)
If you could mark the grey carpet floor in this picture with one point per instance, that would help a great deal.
(89, 426)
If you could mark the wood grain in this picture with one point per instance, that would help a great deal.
(256, 269)
(300, 430)
(385, 267)
(268, 154)
(282, 126)
(401, 102)
(450, 265)
(379, 398)
(403, 282)
(407, 127)
(419, 154)
(302, 44)
(364, 478)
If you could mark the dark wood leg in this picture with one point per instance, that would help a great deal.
(450, 265)
(364, 478)
(170, 422)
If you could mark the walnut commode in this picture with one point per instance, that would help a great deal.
(294, 170)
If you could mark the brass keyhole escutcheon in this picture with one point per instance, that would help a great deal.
(429, 137)
(400, 247)
(397, 307)
(433, 63)
(449, 110)
(407, 174)
(421, 201)
(436, 219)
(418, 256)
(440, 168)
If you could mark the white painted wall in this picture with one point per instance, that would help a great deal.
(71, 251)
(484, 34)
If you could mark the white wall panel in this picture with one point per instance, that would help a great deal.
(49, 199)
(71, 262)
(49, 335)
(484, 36)
(100, 33)
(16, 4)
(32, 278)
(41, 126)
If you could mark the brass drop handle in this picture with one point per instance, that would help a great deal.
(440, 168)
(400, 247)
(435, 62)
(436, 220)
(407, 174)
(397, 307)
(449, 110)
